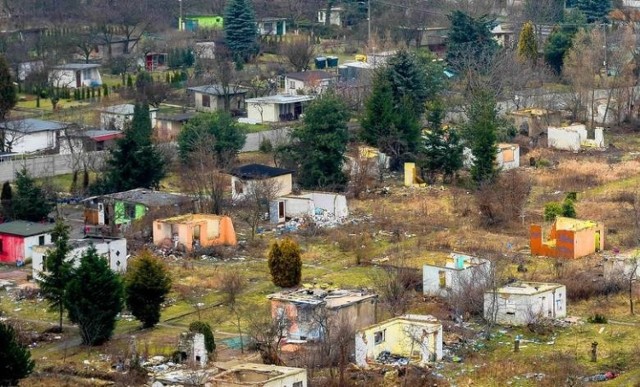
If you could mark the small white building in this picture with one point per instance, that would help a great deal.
(245, 178)
(115, 117)
(276, 108)
(409, 336)
(308, 82)
(508, 156)
(209, 98)
(260, 375)
(193, 349)
(574, 137)
(75, 75)
(272, 26)
(31, 135)
(624, 266)
(520, 303)
(114, 250)
(325, 205)
(452, 274)
(335, 19)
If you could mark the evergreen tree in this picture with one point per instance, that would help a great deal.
(6, 198)
(409, 82)
(134, 162)
(146, 285)
(442, 151)
(8, 92)
(285, 263)
(15, 358)
(240, 30)
(561, 38)
(482, 129)
(527, 45)
(321, 142)
(470, 42)
(595, 11)
(94, 297)
(379, 111)
(218, 130)
(205, 329)
(57, 270)
(30, 202)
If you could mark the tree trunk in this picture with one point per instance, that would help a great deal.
(631, 296)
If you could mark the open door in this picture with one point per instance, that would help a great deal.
(78, 79)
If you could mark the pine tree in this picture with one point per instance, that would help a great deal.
(470, 42)
(146, 284)
(15, 358)
(135, 162)
(285, 264)
(57, 270)
(321, 143)
(594, 10)
(240, 30)
(482, 128)
(527, 45)
(30, 202)
(6, 198)
(379, 111)
(94, 297)
(8, 92)
(442, 151)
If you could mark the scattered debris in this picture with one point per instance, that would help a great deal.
(386, 357)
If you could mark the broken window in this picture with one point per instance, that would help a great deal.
(442, 276)
(378, 337)
(507, 155)
(239, 188)
(206, 101)
(297, 384)
(41, 240)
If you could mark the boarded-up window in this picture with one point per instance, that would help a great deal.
(442, 277)
(507, 155)
(206, 101)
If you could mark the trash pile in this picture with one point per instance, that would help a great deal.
(386, 357)
(601, 377)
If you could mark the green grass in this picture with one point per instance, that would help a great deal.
(251, 128)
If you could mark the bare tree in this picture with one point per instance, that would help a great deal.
(298, 53)
(268, 332)
(254, 203)
(232, 284)
(396, 286)
(221, 71)
(204, 178)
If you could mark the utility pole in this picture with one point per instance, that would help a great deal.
(368, 25)
(180, 17)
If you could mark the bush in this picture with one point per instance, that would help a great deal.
(205, 329)
(568, 210)
(285, 263)
(551, 211)
(597, 319)
(265, 146)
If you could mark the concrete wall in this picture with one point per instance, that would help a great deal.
(32, 142)
(400, 337)
(49, 165)
(566, 138)
(454, 278)
(34, 240)
(213, 230)
(520, 309)
(282, 185)
(270, 112)
(508, 157)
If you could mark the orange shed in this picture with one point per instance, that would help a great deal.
(568, 238)
(194, 230)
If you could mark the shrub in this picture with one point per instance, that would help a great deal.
(551, 211)
(597, 319)
(568, 210)
(265, 146)
(285, 263)
(205, 329)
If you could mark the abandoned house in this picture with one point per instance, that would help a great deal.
(453, 273)
(114, 250)
(308, 82)
(169, 126)
(307, 310)
(247, 178)
(122, 208)
(620, 267)
(574, 137)
(413, 337)
(507, 156)
(192, 349)
(18, 238)
(276, 108)
(326, 205)
(260, 375)
(568, 238)
(521, 303)
(534, 122)
(193, 231)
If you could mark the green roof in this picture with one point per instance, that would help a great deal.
(25, 229)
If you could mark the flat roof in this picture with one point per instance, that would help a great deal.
(25, 229)
(333, 299)
(449, 262)
(188, 218)
(218, 89)
(32, 125)
(563, 223)
(125, 108)
(425, 319)
(281, 99)
(77, 66)
(84, 242)
(252, 374)
(312, 75)
(146, 197)
(103, 135)
(259, 171)
(527, 288)
(178, 117)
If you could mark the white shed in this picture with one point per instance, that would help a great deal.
(451, 275)
(520, 303)
(325, 204)
(31, 135)
(74, 75)
(114, 250)
(276, 108)
(114, 117)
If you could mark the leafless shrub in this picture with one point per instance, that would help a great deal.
(396, 286)
(582, 284)
(504, 200)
